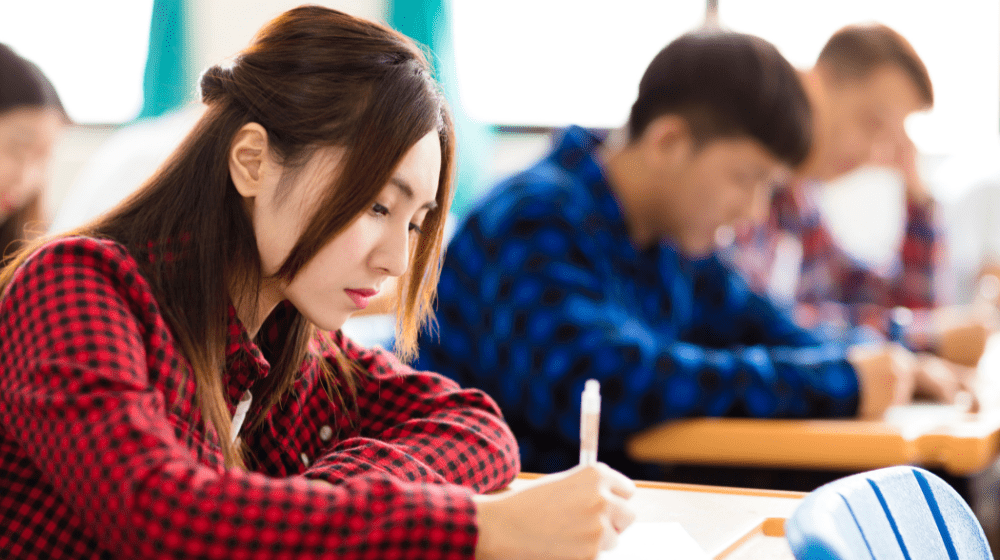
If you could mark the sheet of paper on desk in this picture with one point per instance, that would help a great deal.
(661, 540)
(916, 419)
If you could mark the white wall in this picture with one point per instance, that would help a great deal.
(75, 147)
(220, 28)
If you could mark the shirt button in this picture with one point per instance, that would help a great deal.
(305, 459)
(325, 433)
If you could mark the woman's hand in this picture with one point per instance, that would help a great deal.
(569, 515)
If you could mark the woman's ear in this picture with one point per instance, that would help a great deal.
(250, 164)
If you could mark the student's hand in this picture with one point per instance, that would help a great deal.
(902, 155)
(887, 376)
(946, 382)
(960, 332)
(569, 515)
(963, 344)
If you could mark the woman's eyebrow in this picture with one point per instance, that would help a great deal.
(407, 190)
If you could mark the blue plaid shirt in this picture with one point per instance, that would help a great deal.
(542, 289)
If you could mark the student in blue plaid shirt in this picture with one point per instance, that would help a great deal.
(597, 262)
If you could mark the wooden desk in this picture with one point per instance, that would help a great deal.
(728, 523)
(934, 436)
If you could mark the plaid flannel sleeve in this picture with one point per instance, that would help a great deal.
(77, 397)
(867, 300)
(408, 425)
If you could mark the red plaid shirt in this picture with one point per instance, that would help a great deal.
(834, 289)
(103, 452)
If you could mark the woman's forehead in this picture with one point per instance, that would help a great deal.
(30, 123)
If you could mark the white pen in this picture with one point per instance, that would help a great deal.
(590, 420)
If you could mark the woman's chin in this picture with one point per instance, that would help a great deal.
(333, 325)
(328, 321)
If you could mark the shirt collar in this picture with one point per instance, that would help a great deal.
(245, 360)
(576, 151)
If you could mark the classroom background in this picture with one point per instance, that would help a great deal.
(514, 73)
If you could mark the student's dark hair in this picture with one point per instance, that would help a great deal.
(313, 77)
(727, 84)
(22, 85)
(857, 50)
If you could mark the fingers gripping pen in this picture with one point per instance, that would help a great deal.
(590, 419)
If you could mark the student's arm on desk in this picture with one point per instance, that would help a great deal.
(568, 515)
(410, 425)
(575, 329)
(887, 374)
(572, 514)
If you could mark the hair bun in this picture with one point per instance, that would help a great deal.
(216, 81)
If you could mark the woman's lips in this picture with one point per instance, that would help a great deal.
(361, 297)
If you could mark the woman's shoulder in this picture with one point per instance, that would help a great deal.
(75, 251)
(77, 247)
(82, 258)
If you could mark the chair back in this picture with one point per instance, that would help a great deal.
(904, 513)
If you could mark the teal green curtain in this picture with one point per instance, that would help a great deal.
(429, 22)
(168, 81)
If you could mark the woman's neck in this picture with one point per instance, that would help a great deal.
(251, 311)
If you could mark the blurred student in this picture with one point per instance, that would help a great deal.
(31, 119)
(174, 383)
(867, 80)
(598, 262)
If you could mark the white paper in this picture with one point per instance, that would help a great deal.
(916, 419)
(648, 540)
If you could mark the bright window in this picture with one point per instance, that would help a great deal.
(579, 61)
(93, 52)
(555, 62)
(958, 40)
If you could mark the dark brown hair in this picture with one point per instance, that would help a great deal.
(23, 85)
(727, 84)
(312, 77)
(855, 51)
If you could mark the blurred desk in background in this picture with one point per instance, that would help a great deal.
(929, 435)
(803, 454)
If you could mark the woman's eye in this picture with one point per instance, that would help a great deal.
(380, 210)
(414, 228)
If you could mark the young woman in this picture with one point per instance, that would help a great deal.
(31, 118)
(166, 386)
